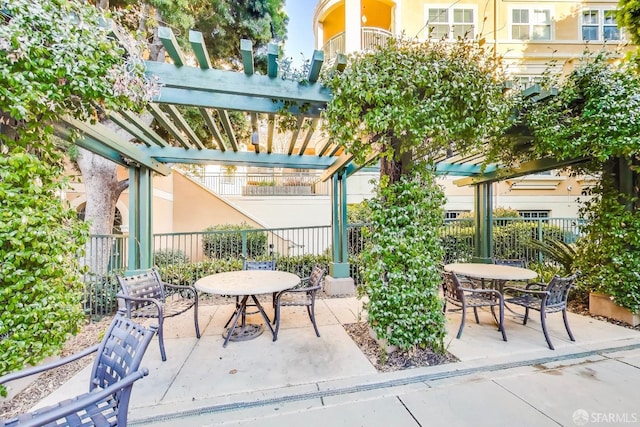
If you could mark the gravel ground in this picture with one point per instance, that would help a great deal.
(92, 332)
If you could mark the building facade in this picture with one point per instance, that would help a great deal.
(533, 38)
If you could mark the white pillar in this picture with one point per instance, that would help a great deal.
(352, 16)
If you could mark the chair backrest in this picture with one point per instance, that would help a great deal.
(259, 265)
(120, 351)
(451, 287)
(558, 289)
(516, 262)
(316, 276)
(144, 285)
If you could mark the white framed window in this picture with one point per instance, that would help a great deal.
(449, 23)
(599, 25)
(530, 23)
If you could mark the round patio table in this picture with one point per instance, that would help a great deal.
(498, 273)
(246, 284)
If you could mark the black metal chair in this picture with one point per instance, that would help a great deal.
(302, 295)
(515, 262)
(471, 297)
(145, 295)
(115, 369)
(545, 298)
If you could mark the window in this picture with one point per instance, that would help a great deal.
(534, 214)
(453, 214)
(527, 81)
(447, 23)
(531, 24)
(600, 24)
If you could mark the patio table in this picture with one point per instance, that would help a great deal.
(497, 274)
(246, 284)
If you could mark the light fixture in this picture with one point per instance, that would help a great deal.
(255, 140)
(364, 19)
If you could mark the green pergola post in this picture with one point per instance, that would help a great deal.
(483, 200)
(140, 232)
(339, 267)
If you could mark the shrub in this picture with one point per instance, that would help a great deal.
(226, 241)
(169, 256)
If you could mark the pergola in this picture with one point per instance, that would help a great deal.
(221, 91)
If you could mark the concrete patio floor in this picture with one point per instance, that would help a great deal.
(302, 379)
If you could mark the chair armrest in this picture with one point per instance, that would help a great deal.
(83, 401)
(183, 287)
(37, 369)
(536, 285)
(528, 291)
(307, 289)
(140, 299)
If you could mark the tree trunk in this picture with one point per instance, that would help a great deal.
(102, 190)
(399, 165)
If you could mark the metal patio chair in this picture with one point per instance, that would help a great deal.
(545, 298)
(145, 295)
(471, 297)
(303, 295)
(115, 369)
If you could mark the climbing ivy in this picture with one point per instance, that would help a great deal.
(56, 59)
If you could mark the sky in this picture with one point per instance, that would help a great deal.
(300, 40)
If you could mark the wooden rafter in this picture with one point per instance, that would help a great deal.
(160, 116)
(294, 136)
(226, 124)
(312, 129)
(211, 124)
(136, 127)
(182, 124)
(271, 124)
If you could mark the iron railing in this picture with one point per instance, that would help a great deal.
(263, 184)
(188, 256)
(370, 37)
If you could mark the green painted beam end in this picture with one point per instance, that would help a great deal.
(199, 49)
(341, 62)
(170, 44)
(316, 65)
(246, 49)
(272, 60)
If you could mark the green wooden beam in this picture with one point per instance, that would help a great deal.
(168, 39)
(316, 66)
(234, 102)
(240, 158)
(341, 62)
(199, 49)
(246, 49)
(226, 124)
(312, 129)
(294, 135)
(527, 168)
(337, 165)
(110, 139)
(128, 119)
(254, 132)
(62, 131)
(324, 147)
(211, 124)
(444, 168)
(179, 120)
(272, 60)
(162, 119)
(234, 83)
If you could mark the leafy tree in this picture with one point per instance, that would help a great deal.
(595, 115)
(55, 60)
(629, 17)
(408, 103)
(223, 23)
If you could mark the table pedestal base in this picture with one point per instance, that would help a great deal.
(243, 333)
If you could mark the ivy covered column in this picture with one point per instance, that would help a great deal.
(140, 232)
(339, 281)
(483, 207)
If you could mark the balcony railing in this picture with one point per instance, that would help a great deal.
(263, 184)
(369, 38)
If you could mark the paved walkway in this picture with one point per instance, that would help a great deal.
(304, 380)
